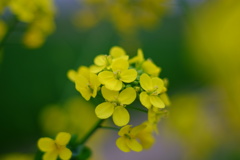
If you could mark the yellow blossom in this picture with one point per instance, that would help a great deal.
(115, 105)
(55, 148)
(153, 87)
(135, 139)
(147, 66)
(86, 82)
(102, 62)
(113, 80)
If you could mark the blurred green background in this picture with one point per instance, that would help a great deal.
(187, 42)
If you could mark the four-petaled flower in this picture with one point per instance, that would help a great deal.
(86, 82)
(55, 148)
(102, 62)
(115, 105)
(113, 80)
(153, 87)
(136, 138)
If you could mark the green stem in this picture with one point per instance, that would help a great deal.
(107, 127)
(11, 28)
(138, 109)
(92, 131)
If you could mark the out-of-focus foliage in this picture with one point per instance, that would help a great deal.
(17, 156)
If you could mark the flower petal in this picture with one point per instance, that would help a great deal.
(63, 138)
(121, 144)
(127, 96)
(46, 144)
(120, 65)
(65, 153)
(71, 74)
(146, 82)
(109, 94)
(150, 68)
(158, 83)
(157, 102)
(105, 76)
(100, 60)
(114, 84)
(120, 116)
(138, 129)
(134, 145)
(165, 99)
(51, 155)
(145, 100)
(116, 52)
(128, 75)
(96, 69)
(104, 110)
(124, 130)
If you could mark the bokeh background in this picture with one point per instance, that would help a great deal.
(195, 42)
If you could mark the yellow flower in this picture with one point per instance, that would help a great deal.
(135, 139)
(113, 80)
(153, 88)
(147, 66)
(102, 62)
(55, 148)
(115, 105)
(86, 82)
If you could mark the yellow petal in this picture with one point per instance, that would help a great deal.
(120, 65)
(138, 129)
(50, 155)
(65, 153)
(114, 84)
(46, 144)
(145, 100)
(116, 52)
(146, 139)
(127, 96)
(120, 116)
(94, 84)
(96, 69)
(105, 76)
(84, 71)
(146, 82)
(157, 102)
(121, 144)
(109, 95)
(158, 83)
(150, 68)
(134, 145)
(100, 60)
(165, 99)
(137, 59)
(128, 75)
(63, 138)
(124, 130)
(104, 110)
(71, 74)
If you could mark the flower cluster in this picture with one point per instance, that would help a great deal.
(38, 14)
(55, 148)
(120, 81)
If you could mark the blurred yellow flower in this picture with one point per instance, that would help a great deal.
(135, 139)
(120, 73)
(39, 16)
(55, 148)
(153, 87)
(86, 82)
(3, 29)
(125, 15)
(115, 105)
(57, 118)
